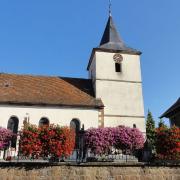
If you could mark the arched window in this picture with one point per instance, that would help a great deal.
(75, 124)
(13, 126)
(44, 122)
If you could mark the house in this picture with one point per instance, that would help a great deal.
(173, 113)
(111, 96)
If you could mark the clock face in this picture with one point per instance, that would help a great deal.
(118, 58)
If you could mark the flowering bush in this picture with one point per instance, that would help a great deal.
(30, 144)
(128, 138)
(6, 136)
(168, 143)
(69, 141)
(101, 140)
(54, 141)
(57, 141)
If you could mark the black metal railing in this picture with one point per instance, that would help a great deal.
(80, 155)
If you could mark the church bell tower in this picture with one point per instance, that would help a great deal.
(116, 75)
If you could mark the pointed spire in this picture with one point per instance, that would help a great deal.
(111, 39)
(110, 4)
(110, 34)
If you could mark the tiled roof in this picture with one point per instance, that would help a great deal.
(50, 91)
(175, 108)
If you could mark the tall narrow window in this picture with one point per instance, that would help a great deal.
(75, 124)
(43, 122)
(118, 67)
(13, 126)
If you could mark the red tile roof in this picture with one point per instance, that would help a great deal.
(50, 91)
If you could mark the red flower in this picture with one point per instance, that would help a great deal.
(168, 143)
(47, 141)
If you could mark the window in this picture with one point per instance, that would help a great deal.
(118, 67)
(75, 124)
(134, 125)
(13, 126)
(44, 122)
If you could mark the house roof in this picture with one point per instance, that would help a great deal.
(47, 91)
(175, 108)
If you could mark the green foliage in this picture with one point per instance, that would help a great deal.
(161, 124)
(150, 130)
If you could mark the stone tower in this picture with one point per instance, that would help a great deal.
(116, 75)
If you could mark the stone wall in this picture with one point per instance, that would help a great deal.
(87, 172)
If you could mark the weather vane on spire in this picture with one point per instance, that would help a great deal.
(110, 5)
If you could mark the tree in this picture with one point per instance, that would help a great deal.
(161, 123)
(150, 130)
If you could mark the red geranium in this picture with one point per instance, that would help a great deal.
(30, 144)
(53, 141)
(168, 143)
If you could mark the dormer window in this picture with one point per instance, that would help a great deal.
(118, 67)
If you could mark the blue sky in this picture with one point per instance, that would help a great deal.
(56, 37)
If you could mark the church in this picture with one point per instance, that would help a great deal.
(111, 96)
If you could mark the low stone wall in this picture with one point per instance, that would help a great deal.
(102, 171)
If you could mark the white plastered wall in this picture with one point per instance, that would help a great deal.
(92, 73)
(125, 121)
(121, 98)
(56, 115)
(92, 69)
(121, 92)
(105, 68)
